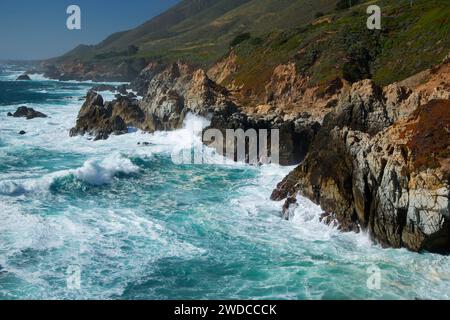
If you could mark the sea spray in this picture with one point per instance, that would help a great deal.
(140, 227)
(93, 172)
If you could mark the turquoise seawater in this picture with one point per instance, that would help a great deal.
(125, 222)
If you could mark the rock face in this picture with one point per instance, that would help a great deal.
(285, 90)
(101, 119)
(23, 77)
(224, 68)
(180, 89)
(25, 112)
(381, 164)
(177, 90)
(142, 81)
(173, 91)
(295, 135)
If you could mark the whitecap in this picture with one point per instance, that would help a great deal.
(99, 173)
(93, 172)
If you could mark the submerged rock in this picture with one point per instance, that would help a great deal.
(23, 77)
(25, 112)
(145, 144)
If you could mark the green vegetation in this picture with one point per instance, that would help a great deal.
(318, 14)
(240, 38)
(411, 40)
(345, 4)
(201, 31)
(326, 39)
(416, 38)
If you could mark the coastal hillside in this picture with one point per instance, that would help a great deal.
(243, 149)
(251, 44)
(201, 30)
(306, 67)
(357, 108)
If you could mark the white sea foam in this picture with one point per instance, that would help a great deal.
(11, 76)
(38, 77)
(118, 245)
(93, 172)
(100, 173)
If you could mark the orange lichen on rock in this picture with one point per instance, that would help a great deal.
(430, 137)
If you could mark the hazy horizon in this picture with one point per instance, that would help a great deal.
(28, 29)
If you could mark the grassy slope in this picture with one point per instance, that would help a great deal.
(201, 30)
(412, 39)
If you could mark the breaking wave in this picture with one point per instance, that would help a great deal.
(93, 172)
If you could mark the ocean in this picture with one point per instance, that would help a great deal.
(116, 219)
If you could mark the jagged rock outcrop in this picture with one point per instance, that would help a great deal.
(382, 170)
(101, 119)
(142, 81)
(28, 113)
(180, 89)
(171, 94)
(177, 90)
(295, 135)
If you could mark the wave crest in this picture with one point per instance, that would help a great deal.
(99, 173)
(93, 172)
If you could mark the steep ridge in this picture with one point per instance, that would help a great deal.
(197, 31)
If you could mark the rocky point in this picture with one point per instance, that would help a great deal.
(381, 163)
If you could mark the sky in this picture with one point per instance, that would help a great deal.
(36, 29)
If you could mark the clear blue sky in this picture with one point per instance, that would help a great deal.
(36, 29)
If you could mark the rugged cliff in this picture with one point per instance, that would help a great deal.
(362, 111)
(171, 92)
(381, 163)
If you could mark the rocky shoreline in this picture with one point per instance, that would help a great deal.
(380, 163)
(178, 90)
(378, 160)
(84, 71)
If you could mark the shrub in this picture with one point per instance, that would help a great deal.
(318, 14)
(132, 50)
(345, 4)
(240, 38)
